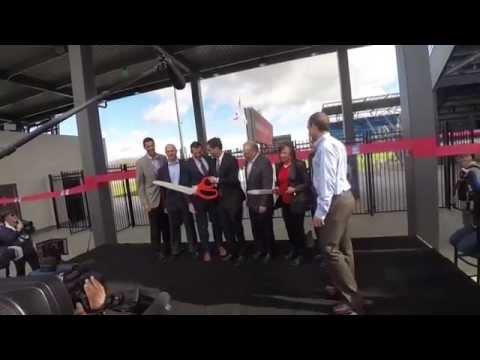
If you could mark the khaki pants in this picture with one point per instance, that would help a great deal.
(337, 245)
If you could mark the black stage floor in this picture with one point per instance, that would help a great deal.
(401, 276)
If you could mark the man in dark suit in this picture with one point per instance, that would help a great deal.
(231, 199)
(259, 175)
(200, 166)
(13, 238)
(178, 205)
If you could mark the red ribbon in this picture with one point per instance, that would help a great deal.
(419, 148)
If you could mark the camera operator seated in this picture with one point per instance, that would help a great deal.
(468, 190)
(14, 238)
(96, 296)
(91, 296)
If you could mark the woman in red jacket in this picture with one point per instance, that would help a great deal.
(292, 188)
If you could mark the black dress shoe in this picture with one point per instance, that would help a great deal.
(267, 259)
(161, 256)
(257, 256)
(297, 261)
(192, 249)
(240, 260)
(177, 253)
(227, 257)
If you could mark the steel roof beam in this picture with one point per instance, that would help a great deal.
(35, 84)
(57, 52)
(463, 63)
(438, 61)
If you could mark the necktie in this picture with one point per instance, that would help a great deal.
(218, 166)
(203, 168)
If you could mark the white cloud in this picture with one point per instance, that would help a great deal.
(165, 111)
(127, 146)
(373, 70)
(286, 94)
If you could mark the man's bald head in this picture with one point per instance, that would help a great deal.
(250, 150)
(171, 152)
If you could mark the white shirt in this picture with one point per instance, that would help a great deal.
(218, 164)
(155, 161)
(174, 171)
(199, 167)
(219, 160)
(8, 226)
(330, 169)
(250, 164)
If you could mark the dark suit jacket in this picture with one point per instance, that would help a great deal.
(195, 177)
(229, 188)
(297, 178)
(260, 177)
(8, 237)
(174, 199)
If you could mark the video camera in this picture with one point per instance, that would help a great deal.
(28, 228)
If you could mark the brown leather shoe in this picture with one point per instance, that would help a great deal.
(343, 309)
(331, 291)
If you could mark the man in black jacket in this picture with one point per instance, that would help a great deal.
(259, 176)
(178, 205)
(199, 167)
(231, 199)
(11, 236)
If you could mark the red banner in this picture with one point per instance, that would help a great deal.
(262, 130)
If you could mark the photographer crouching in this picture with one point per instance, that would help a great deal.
(466, 240)
(16, 244)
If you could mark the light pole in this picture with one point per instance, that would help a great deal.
(182, 155)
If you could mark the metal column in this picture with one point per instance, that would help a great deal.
(198, 110)
(418, 121)
(347, 112)
(91, 144)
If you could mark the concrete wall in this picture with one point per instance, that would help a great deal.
(30, 166)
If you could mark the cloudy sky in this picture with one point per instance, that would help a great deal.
(286, 94)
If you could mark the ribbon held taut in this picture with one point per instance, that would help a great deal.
(260, 192)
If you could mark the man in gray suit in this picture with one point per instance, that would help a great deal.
(151, 199)
(259, 176)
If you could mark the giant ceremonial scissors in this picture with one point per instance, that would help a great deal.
(205, 189)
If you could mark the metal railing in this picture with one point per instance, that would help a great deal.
(453, 134)
(381, 177)
(71, 212)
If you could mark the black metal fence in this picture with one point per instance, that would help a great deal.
(120, 203)
(127, 207)
(381, 186)
(452, 134)
(71, 212)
